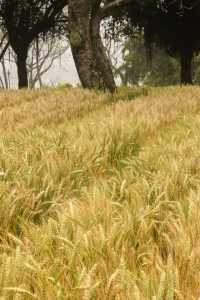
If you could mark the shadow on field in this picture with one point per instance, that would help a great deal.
(128, 94)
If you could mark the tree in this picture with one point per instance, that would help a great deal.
(24, 21)
(134, 69)
(92, 62)
(171, 25)
(41, 58)
(88, 51)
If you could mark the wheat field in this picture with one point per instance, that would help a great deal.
(100, 195)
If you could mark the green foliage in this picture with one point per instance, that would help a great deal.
(171, 25)
(162, 70)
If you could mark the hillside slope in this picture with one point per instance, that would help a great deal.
(100, 197)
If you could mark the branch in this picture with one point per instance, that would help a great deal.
(107, 9)
(4, 50)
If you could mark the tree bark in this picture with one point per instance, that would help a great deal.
(102, 62)
(22, 69)
(186, 67)
(5, 75)
(89, 55)
(80, 41)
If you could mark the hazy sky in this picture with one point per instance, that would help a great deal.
(63, 71)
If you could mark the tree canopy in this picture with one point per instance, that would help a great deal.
(25, 20)
(172, 25)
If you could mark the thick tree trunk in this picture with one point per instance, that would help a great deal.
(22, 69)
(102, 61)
(89, 55)
(186, 67)
(80, 41)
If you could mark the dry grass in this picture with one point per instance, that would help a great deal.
(100, 198)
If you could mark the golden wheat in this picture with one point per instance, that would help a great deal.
(100, 195)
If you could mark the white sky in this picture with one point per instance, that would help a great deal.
(62, 72)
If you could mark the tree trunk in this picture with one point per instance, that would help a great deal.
(103, 64)
(5, 75)
(186, 67)
(22, 69)
(89, 55)
(80, 41)
(38, 63)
